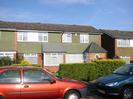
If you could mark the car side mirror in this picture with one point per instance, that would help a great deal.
(52, 81)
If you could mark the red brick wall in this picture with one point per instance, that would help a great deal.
(52, 68)
(92, 56)
(39, 59)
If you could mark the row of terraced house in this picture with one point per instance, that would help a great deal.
(52, 44)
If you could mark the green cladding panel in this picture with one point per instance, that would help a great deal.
(7, 41)
(29, 47)
(94, 38)
(54, 37)
(124, 51)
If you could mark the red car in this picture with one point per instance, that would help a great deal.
(37, 83)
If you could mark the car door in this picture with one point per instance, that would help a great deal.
(10, 84)
(36, 85)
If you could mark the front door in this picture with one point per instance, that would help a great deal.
(37, 85)
(10, 84)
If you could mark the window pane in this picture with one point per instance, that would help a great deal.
(84, 38)
(31, 58)
(35, 76)
(22, 36)
(67, 37)
(53, 59)
(10, 76)
(43, 37)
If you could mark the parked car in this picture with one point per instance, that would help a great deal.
(120, 82)
(37, 83)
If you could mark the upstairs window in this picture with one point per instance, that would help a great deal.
(22, 36)
(43, 37)
(32, 37)
(67, 38)
(84, 38)
(123, 43)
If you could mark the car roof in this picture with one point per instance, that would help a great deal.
(14, 67)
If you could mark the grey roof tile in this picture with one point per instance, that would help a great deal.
(47, 27)
(119, 34)
(95, 48)
(53, 47)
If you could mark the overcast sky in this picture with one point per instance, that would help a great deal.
(104, 14)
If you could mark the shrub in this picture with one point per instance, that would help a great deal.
(89, 71)
(5, 61)
(26, 63)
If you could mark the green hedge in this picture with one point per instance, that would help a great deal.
(36, 65)
(5, 61)
(89, 71)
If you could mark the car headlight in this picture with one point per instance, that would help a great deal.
(112, 84)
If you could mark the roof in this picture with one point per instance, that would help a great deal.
(95, 48)
(11, 67)
(53, 47)
(119, 34)
(46, 27)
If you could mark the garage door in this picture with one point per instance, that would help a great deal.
(74, 58)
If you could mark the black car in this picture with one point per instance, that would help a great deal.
(120, 82)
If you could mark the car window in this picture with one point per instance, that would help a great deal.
(35, 76)
(123, 70)
(10, 76)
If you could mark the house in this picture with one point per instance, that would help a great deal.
(118, 43)
(50, 44)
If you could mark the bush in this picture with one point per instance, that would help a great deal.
(89, 71)
(26, 63)
(5, 61)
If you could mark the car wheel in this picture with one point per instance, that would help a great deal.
(127, 93)
(1, 97)
(72, 95)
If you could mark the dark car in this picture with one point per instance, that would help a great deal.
(120, 82)
(37, 83)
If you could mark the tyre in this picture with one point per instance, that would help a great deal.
(127, 93)
(72, 95)
(1, 97)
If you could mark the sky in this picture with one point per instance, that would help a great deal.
(102, 14)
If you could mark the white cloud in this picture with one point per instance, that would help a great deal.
(9, 14)
(67, 1)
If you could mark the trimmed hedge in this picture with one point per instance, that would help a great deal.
(36, 65)
(89, 71)
(5, 61)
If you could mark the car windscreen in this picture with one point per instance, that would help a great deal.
(124, 70)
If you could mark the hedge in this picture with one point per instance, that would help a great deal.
(89, 71)
(5, 61)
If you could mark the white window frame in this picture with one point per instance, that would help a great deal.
(131, 43)
(21, 36)
(74, 58)
(43, 35)
(10, 54)
(31, 56)
(67, 37)
(121, 44)
(32, 36)
(84, 38)
(52, 56)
